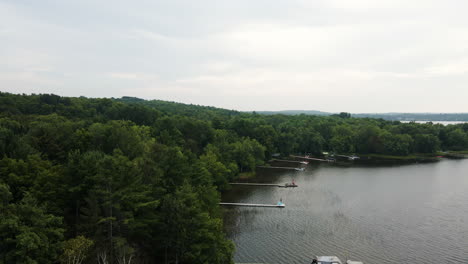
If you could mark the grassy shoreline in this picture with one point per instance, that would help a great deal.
(246, 175)
(382, 158)
(415, 157)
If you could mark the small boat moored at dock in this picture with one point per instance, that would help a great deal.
(289, 184)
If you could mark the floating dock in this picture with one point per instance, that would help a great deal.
(307, 158)
(354, 157)
(254, 205)
(282, 168)
(255, 184)
(286, 185)
(291, 161)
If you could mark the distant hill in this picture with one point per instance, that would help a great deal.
(205, 112)
(175, 108)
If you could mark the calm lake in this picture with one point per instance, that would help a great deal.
(394, 214)
(445, 123)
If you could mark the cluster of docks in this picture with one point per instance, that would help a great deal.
(280, 204)
(300, 160)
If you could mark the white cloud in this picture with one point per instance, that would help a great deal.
(457, 67)
(334, 55)
(372, 4)
(133, 76)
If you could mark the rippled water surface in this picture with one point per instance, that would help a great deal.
(400, 214)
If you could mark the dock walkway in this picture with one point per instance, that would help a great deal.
(282, 168)
(255, 184)
(307, 158)
(254, 205)
(286, 185)
(290, 161)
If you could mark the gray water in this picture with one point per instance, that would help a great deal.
(400, 214)
(445, 123)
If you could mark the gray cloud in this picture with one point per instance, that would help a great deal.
(333, 55)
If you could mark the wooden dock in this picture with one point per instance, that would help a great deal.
(255, 184)
(290, 161)
(254, 205)
(307, 158)
(354, 157)
(282, 168)
(286, 185)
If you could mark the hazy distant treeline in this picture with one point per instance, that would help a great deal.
(386, 116)
(109, 180)
(418, 116)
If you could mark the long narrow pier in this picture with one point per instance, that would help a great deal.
(301, 157)
(349, 157)
(255, 184)
(283, 168)
(291, 161)
(286, 185)
(253, 205)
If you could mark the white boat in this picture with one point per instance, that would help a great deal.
(328, 260)
(332, 260)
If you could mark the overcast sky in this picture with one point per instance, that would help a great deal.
(330, 55)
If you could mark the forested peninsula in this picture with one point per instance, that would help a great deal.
(133, 181)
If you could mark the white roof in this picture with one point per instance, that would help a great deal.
(353, 262)
(328, 259)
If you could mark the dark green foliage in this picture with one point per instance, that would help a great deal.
(343, 115)
(193, 236)
(457, 139)
(426, 143)
(28, 234)
(142, 179)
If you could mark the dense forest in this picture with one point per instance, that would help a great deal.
(132, 181)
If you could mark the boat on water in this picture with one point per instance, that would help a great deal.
(290, 184)
(304, 162)
(332, 260)
(353, 157)
(280, 204)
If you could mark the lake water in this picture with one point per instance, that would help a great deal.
(445, 123)
(400, 214)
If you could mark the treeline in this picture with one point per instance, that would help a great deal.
(133, 181)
